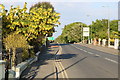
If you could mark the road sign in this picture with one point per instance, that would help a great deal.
(51, 38)
(85, 31)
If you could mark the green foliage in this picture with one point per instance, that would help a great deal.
(71, 33)
(114, 29)
(38, 22)
(25, 54)
(45, 19)
(32, 53)
(14, 40)
(44, 5)
(21, 27)
(99, 29)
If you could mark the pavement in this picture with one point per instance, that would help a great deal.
(101, 48)
(44, 68)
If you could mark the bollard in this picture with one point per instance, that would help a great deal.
(11, 74)
(99, 41)
(103, 42)
(116, 43)
(2, 70)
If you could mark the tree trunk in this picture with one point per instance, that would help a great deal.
(13, 59)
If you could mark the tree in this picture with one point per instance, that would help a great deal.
(44, 5)
(14, 41)
(114, 29)
(46, 19)
(71, 33)
(34, 25)
(99, 29)
(38, 21)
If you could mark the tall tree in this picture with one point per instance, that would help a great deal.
(38, 21)
(99, 28)
(44, 5)
(71, 33)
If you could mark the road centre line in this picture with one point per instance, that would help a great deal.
(64, 71)
(111, 60)
(80, 48)
(97, 55)
(84, 50)
(61, 66)
(60, 69)
(90, 53)
(77, 47)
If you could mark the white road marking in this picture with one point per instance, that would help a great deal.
(97, 55)
(81, 49)
(90, 53)
(64, 75)
(85, 51)
(111, 60)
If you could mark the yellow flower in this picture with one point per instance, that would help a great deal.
(2, 6)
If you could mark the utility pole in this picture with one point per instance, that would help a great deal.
(108, 33)
(81, 33)
(108, 28)
(89, 33)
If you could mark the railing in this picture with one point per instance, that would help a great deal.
(22, 66)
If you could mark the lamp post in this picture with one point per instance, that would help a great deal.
(81, 33)
(91, 34)
(1, 34)
(108, 28)
(46, 40)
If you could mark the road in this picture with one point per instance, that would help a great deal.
(83, 62)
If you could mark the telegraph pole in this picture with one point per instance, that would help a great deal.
(108, 28)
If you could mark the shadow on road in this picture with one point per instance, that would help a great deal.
(66, 56)
(65, 68)
(33, 69)
(59, 44)
(73, 64)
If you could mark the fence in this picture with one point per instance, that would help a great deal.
(114, 43)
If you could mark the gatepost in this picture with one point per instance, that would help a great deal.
(99, 41)
(2, 70)
(116, 43)
(103, 42)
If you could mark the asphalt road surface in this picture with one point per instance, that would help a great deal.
(82, 62)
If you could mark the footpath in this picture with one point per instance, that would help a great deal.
(44, 68)
(101, 48)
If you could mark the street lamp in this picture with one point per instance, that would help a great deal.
(91, 33)
(108, 28)
(81, 25)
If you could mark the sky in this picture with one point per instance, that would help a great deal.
(84, 11)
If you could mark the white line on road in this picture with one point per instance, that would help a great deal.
(97, 55)
(79, 48)
(66, 76)
(111, 60)
(90, 53)
(61, 66)
(84, 50)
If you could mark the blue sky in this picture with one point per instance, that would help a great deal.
(71, 11)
